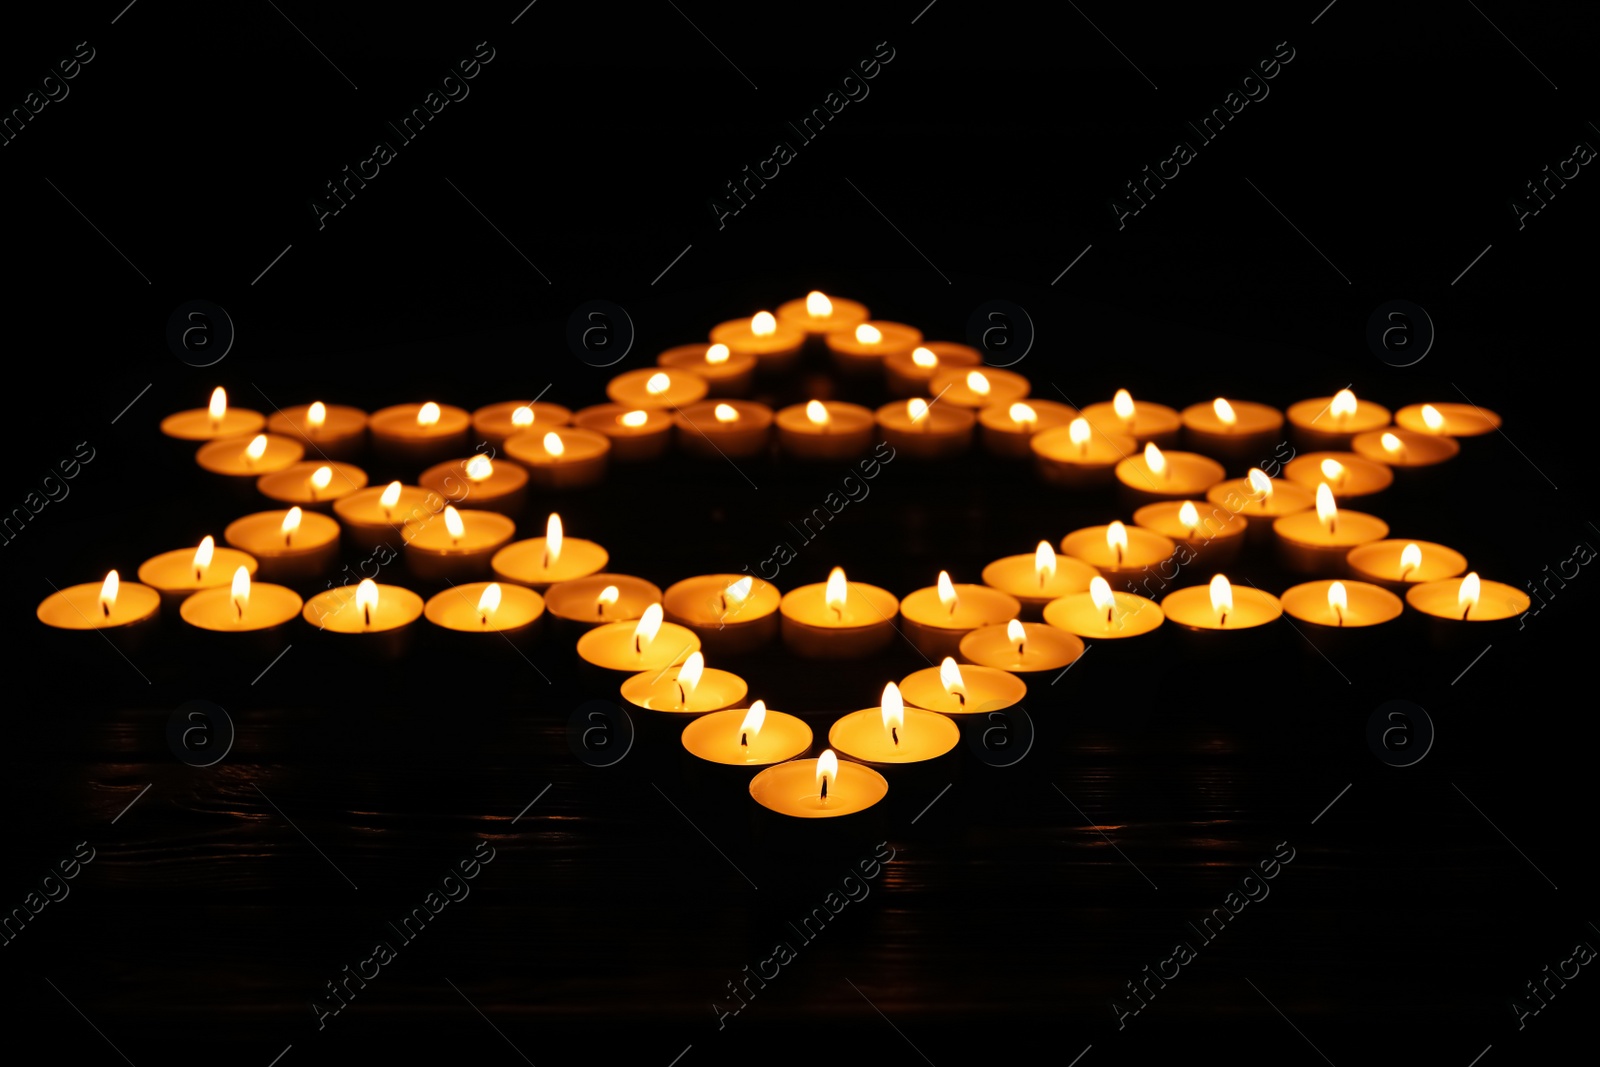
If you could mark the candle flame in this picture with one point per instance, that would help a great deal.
(291, 523)
(489, 602)
(1410, 558)
(816, 413)
(367, 599)
(241, 591)
(717, 353)
(689, 673)
(1154, 459)
(202, 555)
(868, 334)
(1122, 404)
(316, 415)
(108, 592)
(753, 721)
(1100, 592)
(479, 468)
(389, 498)
(1391, 444)
(762, 324)
(1224, 412)
(924, 358)
(1117, 538)
(553, 446)
(1338, 601)
(648, 626)
(818, 306)
(977, 383)
(947, 593)
(1327, 511)
(893, 708)
(1022, 414)
(827, 771)
(736, 592)
(607, 597)
(553, 538)
(1221, 597)
(1044, 562)
(631, 419)
(1017, 635)
(1078, 432)
(522, 417)
(1260, 484)
(917, 408)
(950, 677)
(1189, 517)
(657, 384)
(837, 589)
(453, 523)
(428, 414)
(1432, 419)
(1343, 404)
(1332, 470)
(256, 448)
(726, 413)
(320, 478)
(1467, 596)
(219, 405)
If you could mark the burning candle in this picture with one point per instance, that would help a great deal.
(112, 606)
(455, 546)
(1260, 499)
(1456, 603)
(1008, 428)
(1453, 420)
(724, 429)
(416, 435)
(1037, 578)
(838, 619)
(1233, 430)
(862, 350)
(652, 387)
(374, 515)
(826, 788)
(893, 733)
(312, 484)
(819, 314)
(600, 598)
(489, 485)
(747, 737)
(937, 617)
(1220, 605)
(1340, 604)
(1021, 647)
(486, 608)
(1079, 455)
(1317, 542)
(1405, 448)
(1101, 614)
(724, 373)
(564, 458)
(183, 571)
(731, 613)
(1331, 421)
(541, 561)
(290, 546)
(381, 615)
(215, 420)
(688, 689)
(1398, 565)
(951, 689)
(825, 430)
(494, 423)
(926, 431)
(635, 433)
(1158, 475)
(643, 644)
(329, 431)
(1346, 473)
(908, 374)
(775, 345)
(1118, 551)
(247, 458)
(978, 387)
(242, 606)
(1213, 533)
(1142, 420)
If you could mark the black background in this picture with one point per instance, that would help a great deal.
(186, 158)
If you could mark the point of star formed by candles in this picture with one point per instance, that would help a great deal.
(893, 734)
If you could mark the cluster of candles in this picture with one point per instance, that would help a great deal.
(1032, 613)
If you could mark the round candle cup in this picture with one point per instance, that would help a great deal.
(651, 387)
(294, 484)
(1255, 429)
(713, 740)
(1456, 420)
(172, 574)
(725, 624)
(1355, 633)
(577, 601)
(858, 357)
(1146, 549)
(302, 557)
(458, 617)
(1079, 466)
(525, 562)
(1044, 648)
(635, 433)
(132, 618)
(229, 457)
(658, 691)
(905, 377)
(939, 431)
(503, 488)
(1079, 615)
(198, 425)
(1019, 576)
(1151, 422)
(400, 440)
(791, 789)
(847, 433)
(342, 433)
(983, 689)
(1217, 538)
(955, 386)
(936, 629)
(494, 423)
(382, 633)
(706, 430)
(925, 735)
(1204, 633)
(580, 461)
(263, 627)
(838, 314)
(731, 375)
(1496, 615)
(1382, 563)
(1317, 426)
(368, 524)
(1238, 496)
(773, 351)
(1359, 477)
(610, 647)
(433, 555)
(1307, 546)
(1010, 437)
(863, 626)
(1414, 449)
(1187, 475)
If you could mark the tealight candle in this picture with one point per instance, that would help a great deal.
(1101, 614)
(1331, 421)
(978, 387)
(542, 561)
(494, 423)
(1234, 430)
(774, 344)
(824, 788)
(951, 689)
(1259, 500)
(249, 457)
(1215, 534)
(415, 435)
(1398, 565)
(825, 430)
(564, 458)
(1008, 428)
(725, 373)
(1021, 647)
(1405, 448)
(242, 606)
(1317, 542)
(937, 617)
(1454, 420)
(726, 429)
(1340, 604)
(651, 387)
(487, 484)
(690, 689)
(1221, 606)
(747, 737)
(215, 420)
(635, 433)
(838, 619)
(1142, 420)
(818, 314)
(1118, 551)
(112, 606)
(643, 644)
(600, 598)
(1346, 473)
(926, 431)
(1468, 600)
(732, 613)
(1038, 578)
(1079, 455)
(486, 608)
(1158, 475)
(373, 515)
(907, 374)
(862, 350)
(183, 571)
(312, 484)
(331, 431)
(893, 733)
(289, 546)
(455, 546)
(381, 615)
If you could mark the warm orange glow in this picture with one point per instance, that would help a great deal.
(836, 591)
(202, 556)
(291, 523)
(1327, 512)
(1343, 404)
(1154, 459)
(950, 677)
(219, 406)
(1117, 538)
(608, 596)
(1410, 558)
(1467, 597)
(1189, 517)
(453, 524)
(320, 479)
(1104, 599)
(631, 419)
(657, 384)
(367, 599)
(1392, 444)
(489, 602)
(818, 306)
(1260, 484)
(316, 415)
(389, 498)
(1332, 470)
(762, 324)
(689, 673)
(1122, 404)
(1017, 635)
(726, 413)
(893, 708)
(1224, 412)
(522, 417)
(753, 720)
(255, 449)
(977, 383)
(917, 409)
(553, 446)
(868, 334)
(649, 625)
(1221, 598)
(736, 592)
(1338, 601)
(428, 414)
(479, 468)
(240, 591)
(553, 538)
(108, 592)
(924, 358)
(1432, 419)
(717, 353)
(817, 414)
(1022, 414)
(827, 771)
(1044, 562)
(1078, 433)
(947, 593)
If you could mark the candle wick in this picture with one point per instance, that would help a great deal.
(1223, 621)
(961, 698)
(286, 536)
(388, 514)
(1020, 644)
(546, 564)
(681, 698)
(636, 649)
(744, 740)
(1337, 610)
(839, 611)
(1109, 609)
(1119, 555)
(199, 576)
(824, 787)
(483, 617)
(238, 610)
(366, 614)
(105, 609)
(894, 733)
(1464, 613)
(723, 597)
